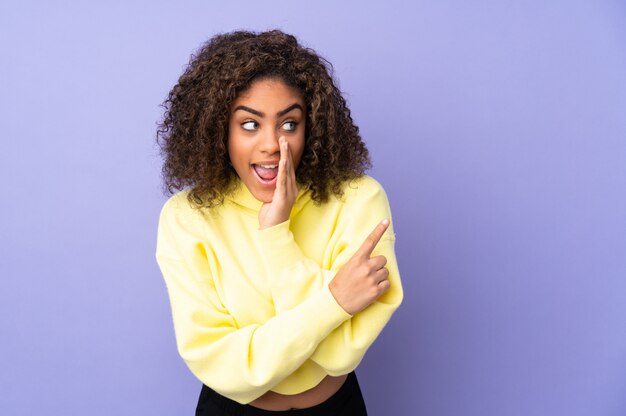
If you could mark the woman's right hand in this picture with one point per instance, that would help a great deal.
(286, 191)
(363, 279)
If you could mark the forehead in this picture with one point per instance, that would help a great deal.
(269, 92)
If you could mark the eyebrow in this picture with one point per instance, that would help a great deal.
(261, 114)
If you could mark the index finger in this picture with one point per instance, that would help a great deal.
(372, 240)
(286, 161)
(284, 148)
(288, 157)
(282, 163)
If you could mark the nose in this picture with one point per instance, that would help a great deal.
(269, 142)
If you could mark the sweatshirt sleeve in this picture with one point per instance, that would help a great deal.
(239, 363)
(292, 275)
(343, 350)
(295, 277)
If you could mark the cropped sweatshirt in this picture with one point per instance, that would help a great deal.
(252, 310)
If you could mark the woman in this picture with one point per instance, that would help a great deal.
(277, 252)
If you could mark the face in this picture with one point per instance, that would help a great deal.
(262, 114)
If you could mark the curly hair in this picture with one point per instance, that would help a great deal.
(193, 135)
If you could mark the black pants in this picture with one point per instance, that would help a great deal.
(347, 401)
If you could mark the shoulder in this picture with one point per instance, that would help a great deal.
(362, 198)
(176, 206)
(179, 213)
(182, 226)
(364, 205)
(362, 189)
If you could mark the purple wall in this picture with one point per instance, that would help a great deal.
(498, 130)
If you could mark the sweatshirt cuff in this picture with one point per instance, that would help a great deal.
(325, 313)
(279, 248)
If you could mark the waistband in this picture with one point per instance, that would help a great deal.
(336, 401)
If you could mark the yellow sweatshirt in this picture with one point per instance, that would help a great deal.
(252, 310)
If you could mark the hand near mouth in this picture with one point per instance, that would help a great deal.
(285, 193)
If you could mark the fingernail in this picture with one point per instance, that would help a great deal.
(385, 221)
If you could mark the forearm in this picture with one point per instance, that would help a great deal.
(243, 363)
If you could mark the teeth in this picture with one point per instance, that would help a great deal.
(269, 166)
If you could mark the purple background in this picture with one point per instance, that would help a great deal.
(497, 128)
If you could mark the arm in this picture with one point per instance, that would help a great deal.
(240, 363)
(344, 348)
(294, 277)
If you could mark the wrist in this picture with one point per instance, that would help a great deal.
(271, 222)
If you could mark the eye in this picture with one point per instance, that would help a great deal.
(249, 125)
(290, 125)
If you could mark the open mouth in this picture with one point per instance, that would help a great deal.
(266, 174)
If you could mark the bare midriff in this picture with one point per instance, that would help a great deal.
(318, 394)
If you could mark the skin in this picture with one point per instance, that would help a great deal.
(266, 127)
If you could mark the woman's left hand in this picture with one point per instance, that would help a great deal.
(285, 193)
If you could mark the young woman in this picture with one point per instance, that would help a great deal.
(278, 253)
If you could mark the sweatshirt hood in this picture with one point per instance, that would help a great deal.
(242, 197)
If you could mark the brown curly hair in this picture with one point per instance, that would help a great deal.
(193, 135)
